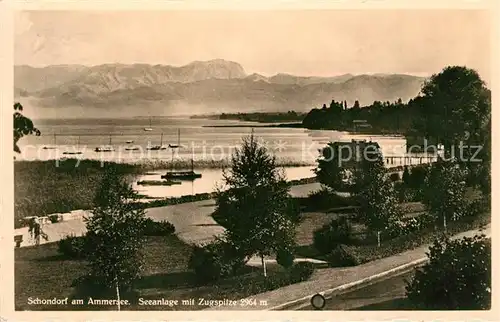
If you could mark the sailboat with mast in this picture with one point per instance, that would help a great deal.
(49, 147)
(178, 145)
(108, 148)
(150, 128)
(157, 147)
(76, 151)
(182, 175)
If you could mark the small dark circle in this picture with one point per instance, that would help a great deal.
(318, 301)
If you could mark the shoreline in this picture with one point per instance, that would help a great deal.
(152, 164)
(295, 125)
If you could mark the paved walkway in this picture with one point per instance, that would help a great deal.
(193, 221)
(328, 278)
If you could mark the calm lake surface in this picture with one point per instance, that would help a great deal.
(211, 179)
(200, 140)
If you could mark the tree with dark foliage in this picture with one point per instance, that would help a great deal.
(257, 211)
(457, 277)
(375, 194)
(330, 170)
(444, 191)
(115, 235)
(22, 126)
(456, 105)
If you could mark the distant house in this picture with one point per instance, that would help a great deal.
(360, 125)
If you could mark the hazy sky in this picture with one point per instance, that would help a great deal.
(318, 43)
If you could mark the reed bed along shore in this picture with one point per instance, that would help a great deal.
(144, 165)
(148, 165)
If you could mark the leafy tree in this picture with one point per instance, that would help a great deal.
(406, 176)
(330, 171)
(36, 231)
(356, 104)
(335, 233)
(22, 126)
(375, 194)
(256, 209)
(115, 235)
(457, 277)
(480, 167)
(456, 105)
(214, 261)
(445, 189)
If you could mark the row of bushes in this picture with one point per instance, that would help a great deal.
(220, 260)
(324, 199)
(73, 247)
(341, 247)
(350, 255)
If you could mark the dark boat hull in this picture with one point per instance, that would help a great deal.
(156, 148)
(188, 175)
(157, 183)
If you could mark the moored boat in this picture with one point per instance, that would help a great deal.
(108, 148)
(157, 147)
(182, 175)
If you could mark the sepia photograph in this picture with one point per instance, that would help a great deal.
(263, 160)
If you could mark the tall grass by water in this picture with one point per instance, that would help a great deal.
(153, 164)
(45, 187)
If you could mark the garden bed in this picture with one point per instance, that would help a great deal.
(369, 252)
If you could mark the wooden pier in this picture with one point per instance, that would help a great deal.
(396, 161)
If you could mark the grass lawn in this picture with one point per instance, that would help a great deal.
(41, 272)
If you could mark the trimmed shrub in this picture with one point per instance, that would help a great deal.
(395, 177)
(73, 247)
(343, 256)
(301, 272)
(155, 228)
(54, 218)
(284, 258)
(215, 261)
(406, 176)
(324, 200)
(338, 231)
(418, 175)
(406, 193)
(475, 208)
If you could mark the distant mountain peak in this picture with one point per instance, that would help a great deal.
(257, 77)
(202, 85)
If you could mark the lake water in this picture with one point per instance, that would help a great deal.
(210, 180)
(201, 140)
